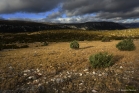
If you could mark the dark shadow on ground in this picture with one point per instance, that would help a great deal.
(116, 58)
(86, 47)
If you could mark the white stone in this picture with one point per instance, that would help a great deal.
(80, 74)
(69, 76)
(100, 75)
(85, 70)
(94, 72)
(38, 70)
(35, 81)
(81, 84)
(10, 67)
(25, 74)
(68, 72)
(94, 91)
(26, 71)
(31, 77)
(121, 67)
(40, 74)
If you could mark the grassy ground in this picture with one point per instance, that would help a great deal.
(58, 69)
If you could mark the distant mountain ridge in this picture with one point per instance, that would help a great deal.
(28, 26)
(96, 26)
(130, 25)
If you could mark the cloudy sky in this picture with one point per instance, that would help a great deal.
(70, 11)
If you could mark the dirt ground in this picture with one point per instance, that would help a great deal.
(57, 68)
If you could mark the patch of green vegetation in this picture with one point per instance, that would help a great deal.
(74, 45)
(45, 43)
(69, 35)
(101, 60)
(126, 45)
(130, 89)
(105, 39)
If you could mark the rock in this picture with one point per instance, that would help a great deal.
(100, 75)
(85, 70)
(94, 91)
(80, 74)
(31, 77)
(27, 71)
(94, 72)
(10, 67)
(121, 67)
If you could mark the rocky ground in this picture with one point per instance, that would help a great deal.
(58, 69)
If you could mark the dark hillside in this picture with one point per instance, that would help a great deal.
(96, 26)
(27, 26)
(130, 25)
(24, 26)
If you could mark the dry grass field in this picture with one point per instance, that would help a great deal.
(57, 68)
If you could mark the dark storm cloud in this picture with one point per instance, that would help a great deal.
(102, 8)
(29, 6)
(75, 10)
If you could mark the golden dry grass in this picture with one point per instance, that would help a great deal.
(59, 57)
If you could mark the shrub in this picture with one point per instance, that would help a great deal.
(101, 60)
(126, 45)
(105, 39)
(24, 46)
(45, 44)
(129, 88)
(13, 46)
(74, 45)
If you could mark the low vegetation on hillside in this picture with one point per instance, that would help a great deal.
(68, 35)
(105, 39)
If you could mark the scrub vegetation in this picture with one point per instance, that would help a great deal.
(44, 62)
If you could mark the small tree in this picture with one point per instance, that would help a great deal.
(74, 45)
(126, 45)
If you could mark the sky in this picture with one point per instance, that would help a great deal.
(70, 11)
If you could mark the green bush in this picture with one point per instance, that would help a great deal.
(74, 45)
(126, 45)
(105, 39)
(45, 44)
(101, 60)
(130, 89)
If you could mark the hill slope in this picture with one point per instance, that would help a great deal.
(27, 26)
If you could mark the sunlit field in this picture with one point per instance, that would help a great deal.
(27, 65)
